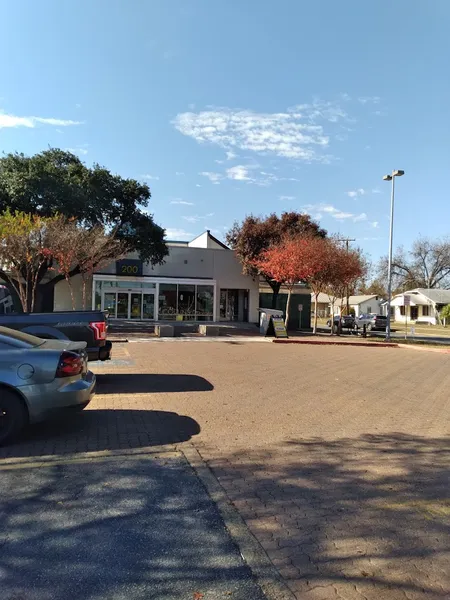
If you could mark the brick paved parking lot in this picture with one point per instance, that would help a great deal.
(335, 457)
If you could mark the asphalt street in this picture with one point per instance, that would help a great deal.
(125, 527)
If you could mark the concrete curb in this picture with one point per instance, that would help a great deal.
(252, 552)
(327, 343)
(424, 348)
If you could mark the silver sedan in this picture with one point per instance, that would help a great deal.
(38, 378)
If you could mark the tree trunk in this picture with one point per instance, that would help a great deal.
(72, 297)
(332, 318)
(275, 291)
(83, 292)
(316, 304)
(288, 306)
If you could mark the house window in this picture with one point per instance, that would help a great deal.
(425, 311)
(402, 311)
(369, 309)
(392, 311)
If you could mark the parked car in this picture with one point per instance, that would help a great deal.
(88, 326)
(346, 321)
(38, 378)
(372, 321)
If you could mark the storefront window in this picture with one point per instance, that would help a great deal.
(167, 301)
(176, 302)
(205, 302)
(186, 303)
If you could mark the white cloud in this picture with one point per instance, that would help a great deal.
(369, 99)
(197, 218)
(286, 197)
(297, 133)
(239, 173)
(179, 173)
(79, 150)
(340, 215)
(213, 177)
(77, 105)
(317, 209)
(197, 185)
(376, 191)
(150, 177)
(374, 224)
(181, 202)
(7, 120)
(178, 234)
(231, 155)
(355, 193)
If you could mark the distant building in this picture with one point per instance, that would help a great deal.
(424, 305)
(359, 305)
(199, 281)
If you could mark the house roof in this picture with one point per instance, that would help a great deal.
(185, 243)
(352, 300)
(355, 300)
(321, 298)
(436, 296)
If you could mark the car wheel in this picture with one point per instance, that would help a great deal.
(369, 327)
(13, 416)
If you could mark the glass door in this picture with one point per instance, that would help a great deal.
(148, 306)
(135, 306)
(109, 303)
(123, 304)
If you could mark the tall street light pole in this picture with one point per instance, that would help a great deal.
(394, 174)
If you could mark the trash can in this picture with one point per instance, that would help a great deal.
(264, 318)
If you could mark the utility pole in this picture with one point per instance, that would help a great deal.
(347, 241)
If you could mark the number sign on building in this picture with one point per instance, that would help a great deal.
(128, 267)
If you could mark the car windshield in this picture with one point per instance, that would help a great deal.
(19, 339)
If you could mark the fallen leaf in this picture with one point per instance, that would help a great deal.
(198, 596)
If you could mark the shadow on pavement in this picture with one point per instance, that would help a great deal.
(371, 512)
(123, 528)
(94, 430)
(154, 383)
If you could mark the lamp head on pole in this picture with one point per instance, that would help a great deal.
(396, 173)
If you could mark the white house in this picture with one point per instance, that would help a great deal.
(200, 280)
(360, 305)
(424, 305)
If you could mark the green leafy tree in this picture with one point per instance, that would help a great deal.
(57, 182)
(445, 314)
(255, 235)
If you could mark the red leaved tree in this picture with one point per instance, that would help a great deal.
(322, 252)
(333, 269)
(347, 267)
(290, 262)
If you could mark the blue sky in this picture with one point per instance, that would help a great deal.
(231, 107)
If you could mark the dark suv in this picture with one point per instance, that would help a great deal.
(346, 321)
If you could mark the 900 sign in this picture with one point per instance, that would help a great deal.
(129, 267)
